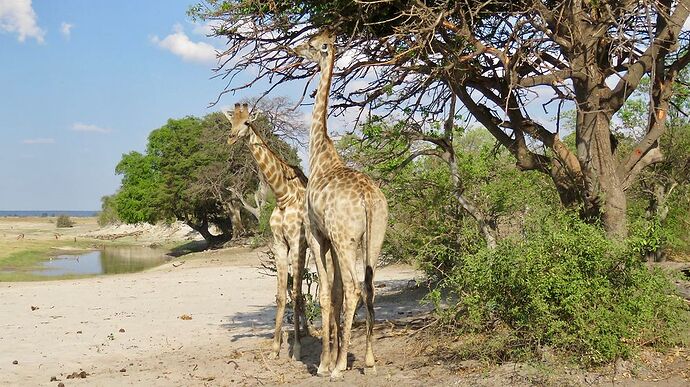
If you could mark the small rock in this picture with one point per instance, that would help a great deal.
(470, 364)
(185, 317)
(78, 375)
(123, 370)
(34, 308)
(15, 362)
(79, 332)
(122, 330)
(61, 384)
(53, 379)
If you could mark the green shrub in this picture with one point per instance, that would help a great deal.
(565, 285)
(264, 227)
(64, 221)
(108, 214)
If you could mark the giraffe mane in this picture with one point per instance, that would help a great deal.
(290, 171)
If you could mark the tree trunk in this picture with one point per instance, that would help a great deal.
(487, 231)
(604, 194)
(211, 240)
(233, 209)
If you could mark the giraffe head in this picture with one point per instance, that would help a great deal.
(239, 118)
(318, 48)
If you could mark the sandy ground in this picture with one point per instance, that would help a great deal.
(129, 329)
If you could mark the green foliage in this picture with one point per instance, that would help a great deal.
(264, 226)
(139, 196)
(659, 203)
(676, 226)
(564, 285)
(647, 236)
(64, 221)
(427, 224)
(108, 214)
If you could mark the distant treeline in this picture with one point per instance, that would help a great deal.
(51, 213)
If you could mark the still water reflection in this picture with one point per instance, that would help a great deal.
(110, 260)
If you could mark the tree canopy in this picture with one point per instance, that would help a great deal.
(504, 61)
(189, 173)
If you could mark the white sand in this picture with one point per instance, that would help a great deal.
(232, 310)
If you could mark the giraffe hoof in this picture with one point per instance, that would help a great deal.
(323, 371)
(296, 355)
(370, 371)
(337, 376)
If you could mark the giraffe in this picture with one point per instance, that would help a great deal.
(288, 183)
(347, 215)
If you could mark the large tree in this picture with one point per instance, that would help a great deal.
(156, 186)
(495, 57)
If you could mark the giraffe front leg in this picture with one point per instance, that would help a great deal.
(281, 257)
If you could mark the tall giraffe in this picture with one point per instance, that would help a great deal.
(288, 183)
(347, 214)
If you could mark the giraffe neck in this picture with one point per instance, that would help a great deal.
(322, 153)
(271, 167)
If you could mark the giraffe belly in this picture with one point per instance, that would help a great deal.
(338, 217)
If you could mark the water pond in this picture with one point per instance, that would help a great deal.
(110, 260)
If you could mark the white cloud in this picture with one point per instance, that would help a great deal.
(204, 29)
(179, 44)
(34, 141)
(80, 127)
(18, 16)
(66, 29)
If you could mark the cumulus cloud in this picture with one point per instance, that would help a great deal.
(205, 29)
(34, 141)
(18, 17)
(66, 29)
(80, 127)
(181, 45)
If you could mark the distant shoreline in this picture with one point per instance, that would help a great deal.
(48, 213)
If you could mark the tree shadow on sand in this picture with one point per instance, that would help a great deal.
(188, 248)
(396, 301)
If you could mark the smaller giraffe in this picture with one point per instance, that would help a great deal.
(288, 183)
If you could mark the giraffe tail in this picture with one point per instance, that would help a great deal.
(368, 259)
(368, 294)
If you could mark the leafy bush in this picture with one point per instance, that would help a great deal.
(64, 221)
(564, 285)
(108, 214)
(312, 309)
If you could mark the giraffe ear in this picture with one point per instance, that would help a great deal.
(255, 114)
(228, 114)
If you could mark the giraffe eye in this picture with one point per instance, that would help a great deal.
(324, 47)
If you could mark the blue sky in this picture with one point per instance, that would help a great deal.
(85, 81)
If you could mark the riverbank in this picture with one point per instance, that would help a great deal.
(27, 242)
